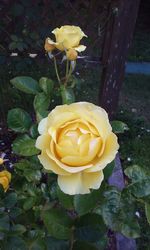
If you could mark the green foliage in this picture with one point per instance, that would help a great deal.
(136, 173)
(80, 245)
(119, 127)
(19, 120)
(116, 210)
(85, 203)
(140, 186)
(26, 84)
(55, 244)
(29, 170)
(57, 223)
(34, 131)
(15, 243)
(4, 222)
(90, 228)
(65, 200)
(10, 200)
(41, 105)
(109, 169)
(46, 85)
(41, 102)
(67, 95)
(147, 211)
(25, 146)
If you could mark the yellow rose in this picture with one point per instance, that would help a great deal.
(77, 143)
(68, 37)
(5, 178)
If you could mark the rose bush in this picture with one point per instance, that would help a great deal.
(67, 37)
(77, 143)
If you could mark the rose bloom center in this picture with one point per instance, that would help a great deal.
(78, 144)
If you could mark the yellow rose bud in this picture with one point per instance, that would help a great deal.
(48, 47)
(77, 143)
(5, 178)
(68, 37)
(71, 54)
(1, 161)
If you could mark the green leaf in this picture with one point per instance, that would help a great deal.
(15, 243)
(110, 208)
(41, 102)
(140, 188)
(10, 200)
(15, 212)
(67, 94)
(131, 229)
(22, 165)
(29, 203)
(136, 173)
(4, 223)
(25, 146)
(26, 84)
(19, 120)
(81, 245)
(32, 175)
(34, 131)
(91, 219)
(85, 203)
(55, 244)
(33, 163)
(65, 200)
(102, 243)
(117, 209)
(90, 227)
(109, 169)
(38, 244)
(17, 229)
(40, 115)
(57, 223)
(119, 127)
(147, 212)
(29, 170)
(46, 85)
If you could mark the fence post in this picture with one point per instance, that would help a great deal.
(117, 40)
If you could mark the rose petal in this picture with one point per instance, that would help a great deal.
(66, 167)
(80, 183)
(66, 150)
(110, 151)
(49, 164)
(43, 141)
(93, 180)
(72, 185)
(94, 146)
(42, 128)
(80, 48)
(59, 117)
